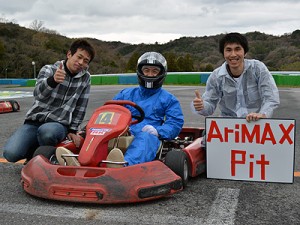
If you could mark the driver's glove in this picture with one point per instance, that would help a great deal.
(150, 129)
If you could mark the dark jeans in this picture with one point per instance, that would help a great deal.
(28, 137)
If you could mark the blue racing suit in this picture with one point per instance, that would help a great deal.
(162, 111)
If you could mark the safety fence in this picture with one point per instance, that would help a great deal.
(291, 79)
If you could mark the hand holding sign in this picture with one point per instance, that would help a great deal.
(255, 116)
(198, 102)
(60, 74)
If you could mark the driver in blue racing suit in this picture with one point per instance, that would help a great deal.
(163, 115)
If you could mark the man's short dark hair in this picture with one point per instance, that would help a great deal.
(83, 44)
(233, 38)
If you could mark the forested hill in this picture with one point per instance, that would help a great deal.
(20, 46)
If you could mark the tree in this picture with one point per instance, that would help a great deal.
(131, 64)
(295, 36)
(189, 64)
(180, 64)
(171, 61)
(185, 64)
(295, 66)
(37, 25)
(209, 68)
(2, 49)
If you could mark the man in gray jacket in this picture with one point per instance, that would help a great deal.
(61, 97)
(241, 87)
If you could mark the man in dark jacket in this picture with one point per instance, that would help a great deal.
(61, 97)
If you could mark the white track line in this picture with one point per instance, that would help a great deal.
(222, 212)
(224, 207)
(15, 94)
(104, 215)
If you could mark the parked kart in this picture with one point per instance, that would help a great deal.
(94, 182)
(9, 106)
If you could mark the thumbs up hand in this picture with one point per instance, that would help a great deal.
(60, 74)
(198, 102)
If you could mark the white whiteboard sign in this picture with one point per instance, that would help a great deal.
(262, 150)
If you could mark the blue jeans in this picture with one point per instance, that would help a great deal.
(28, 137)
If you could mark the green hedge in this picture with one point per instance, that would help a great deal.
(183, 79)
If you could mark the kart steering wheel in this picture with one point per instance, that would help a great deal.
(139, 118)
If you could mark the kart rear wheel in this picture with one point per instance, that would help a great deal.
(48, 152)
(178, 163)
(15, 105)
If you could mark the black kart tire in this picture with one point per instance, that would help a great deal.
(177, 161)
(15, 105)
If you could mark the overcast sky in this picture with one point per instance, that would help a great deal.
(140, 21)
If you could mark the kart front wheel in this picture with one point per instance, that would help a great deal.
(178, 163)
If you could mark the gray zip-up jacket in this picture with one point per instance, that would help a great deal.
(254, 91)
(64, 102)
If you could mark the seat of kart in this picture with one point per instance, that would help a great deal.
(123, 142)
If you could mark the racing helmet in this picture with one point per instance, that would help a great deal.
(152, 59)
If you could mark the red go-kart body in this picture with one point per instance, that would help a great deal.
(93, 182)
(9, 106)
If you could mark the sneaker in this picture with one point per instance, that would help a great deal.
(66, 160)
(26, 161)
(115, 155)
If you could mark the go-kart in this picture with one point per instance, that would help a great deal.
(94, 182)
(9, 106)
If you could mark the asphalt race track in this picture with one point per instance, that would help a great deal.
(203, 201)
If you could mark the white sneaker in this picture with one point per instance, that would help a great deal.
(66, 160)
(116, 156)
